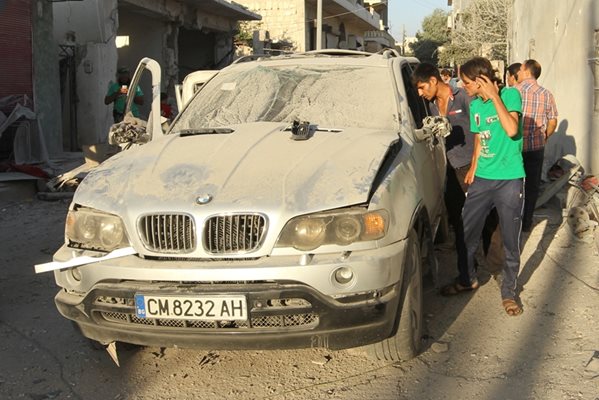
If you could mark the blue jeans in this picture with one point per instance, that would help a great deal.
(507, 196)
(533, 165)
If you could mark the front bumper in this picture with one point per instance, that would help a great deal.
(305, 319)
(99, 297)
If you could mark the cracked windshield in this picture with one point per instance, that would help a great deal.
(328, 96)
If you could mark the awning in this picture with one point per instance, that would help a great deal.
(348, 11)
(224, 8)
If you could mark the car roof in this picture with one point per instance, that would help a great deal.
(326, 56)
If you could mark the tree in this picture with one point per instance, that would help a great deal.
(434, 34)
(481, 30)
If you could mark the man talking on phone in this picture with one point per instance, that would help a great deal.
(117, 94)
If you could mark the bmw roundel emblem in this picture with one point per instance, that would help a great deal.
(204, 199)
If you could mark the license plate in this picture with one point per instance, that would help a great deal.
(206, 308)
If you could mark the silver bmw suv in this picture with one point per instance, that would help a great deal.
(292, 203)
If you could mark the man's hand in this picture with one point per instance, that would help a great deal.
(470, 175)
(487, 89)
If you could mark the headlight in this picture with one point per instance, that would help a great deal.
(94, 230)
(341, 227)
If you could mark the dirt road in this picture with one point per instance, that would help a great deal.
(472, 349)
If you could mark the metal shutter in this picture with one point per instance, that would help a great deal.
(16, 74)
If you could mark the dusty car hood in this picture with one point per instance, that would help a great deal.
(256, 168)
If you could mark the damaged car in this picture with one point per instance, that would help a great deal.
(292, 204)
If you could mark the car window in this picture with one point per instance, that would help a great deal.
(326, 95)
(416, 103)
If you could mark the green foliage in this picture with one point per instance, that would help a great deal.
(434, 27)
(245, 33)
(480, 30)
(434, 35)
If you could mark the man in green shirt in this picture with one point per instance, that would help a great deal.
(117, 94)
(496, 174)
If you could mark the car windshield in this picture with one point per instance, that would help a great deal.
(326, 95)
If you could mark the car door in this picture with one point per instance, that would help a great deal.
(428, 153)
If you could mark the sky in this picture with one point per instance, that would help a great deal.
(411, 13)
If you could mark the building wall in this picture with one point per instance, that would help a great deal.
(153, 29)
(46, 82)
(284, 20)
(16, 63)
(561, 40)
(332, 39)
(94, 24)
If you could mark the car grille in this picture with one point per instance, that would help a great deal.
(292, 313)
(230, 234)
(168, 233)
(288, 321)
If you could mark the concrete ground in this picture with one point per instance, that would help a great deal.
(472, 348)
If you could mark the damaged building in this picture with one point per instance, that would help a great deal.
(30, 126)
(96, 36)
(29, 88)
(347, 24)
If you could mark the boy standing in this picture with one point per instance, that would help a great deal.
(496, 174)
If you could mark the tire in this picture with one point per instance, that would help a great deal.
(407, 341)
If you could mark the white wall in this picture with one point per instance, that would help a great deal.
(95, 24)
(93, 116)
(92, 20)
(560, 38)
(284, 20)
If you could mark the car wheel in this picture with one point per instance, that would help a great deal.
(407, 341)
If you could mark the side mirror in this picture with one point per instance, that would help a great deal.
(439, 126)
(423, 134)
(129, 132)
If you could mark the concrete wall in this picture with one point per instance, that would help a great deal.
(561, 39)
(46, 82)
(351, 28)
(284, 20)
(93, 116)
(92, 20)
(94, 23)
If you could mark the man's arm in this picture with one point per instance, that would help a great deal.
(551, 125)
(139, 100)
(551, 116)
(508, 120)
(473, 164)
(112, 95)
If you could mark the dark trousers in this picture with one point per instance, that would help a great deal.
(455, 195)
(117, 116)
(454, 202)
(507, 196)
(533, 166)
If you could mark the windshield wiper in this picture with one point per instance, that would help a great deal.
(204, 131)
(315, 128)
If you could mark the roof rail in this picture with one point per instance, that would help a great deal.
(338, 52)
(388, 53)
(251, 57)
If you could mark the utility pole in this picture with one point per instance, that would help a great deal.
(403, 40)
(319, 25)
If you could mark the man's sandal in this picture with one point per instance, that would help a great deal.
(511, 307)
(457, 288)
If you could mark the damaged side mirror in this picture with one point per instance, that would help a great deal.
(423, 134)
(130, 131)
(439, 126)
